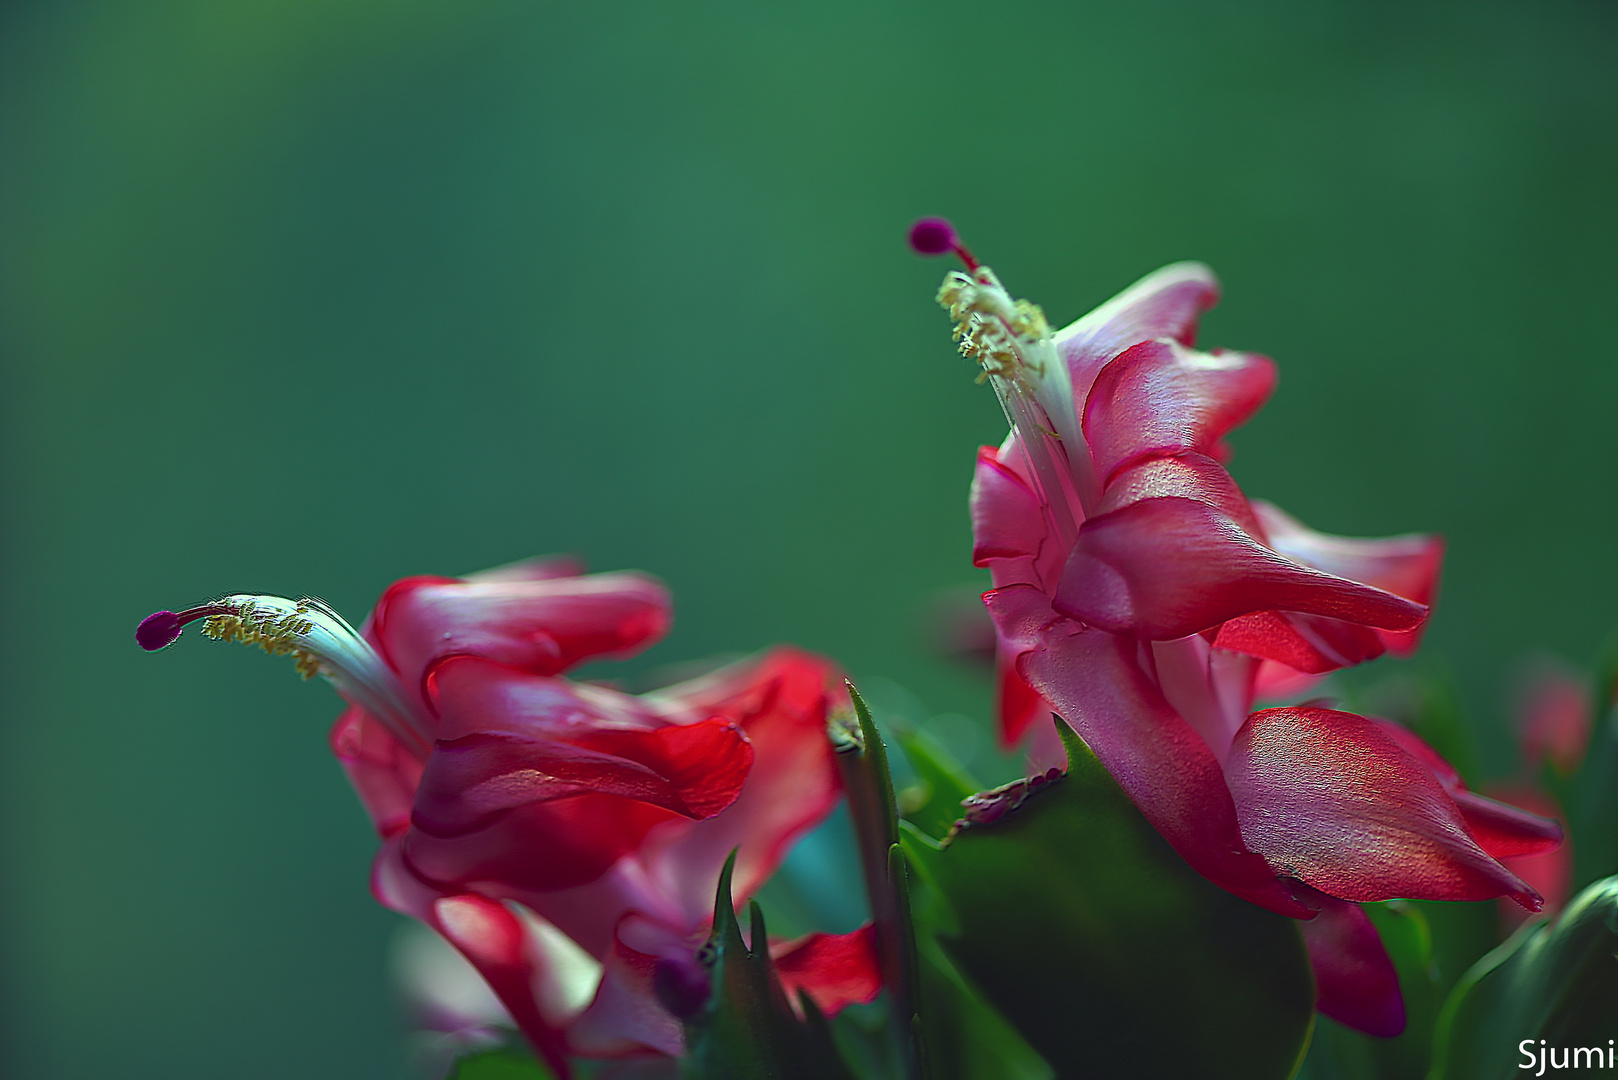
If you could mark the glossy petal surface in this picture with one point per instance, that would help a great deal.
(1327, 797)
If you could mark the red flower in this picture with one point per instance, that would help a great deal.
(1142, 597)
(565, 837)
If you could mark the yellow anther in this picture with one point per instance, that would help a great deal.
(275, 633)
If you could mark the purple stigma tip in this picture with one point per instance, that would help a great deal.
(932, 236)
(158, 630)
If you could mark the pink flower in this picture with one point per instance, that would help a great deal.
(1140, 595)
(566, 837)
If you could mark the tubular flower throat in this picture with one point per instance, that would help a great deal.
(1143, 598)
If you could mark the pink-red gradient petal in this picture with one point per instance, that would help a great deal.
(694, 771)
(780, 701)
(1499, 829)
(1096, 682)
(837, 970)
(1160, 398)
(1164, 304)
(1406, 566)
(1355, 980)
(1169, 567)
(384, 774)
(492, 938)
(542, 626)
(1327, 797)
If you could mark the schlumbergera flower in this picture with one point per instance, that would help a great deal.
(566, 837)
(1142, 597)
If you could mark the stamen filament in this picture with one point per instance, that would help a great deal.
(321, 641)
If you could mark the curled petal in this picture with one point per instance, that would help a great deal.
(837, 970)
(478, 697)
(626, 1016)
(1096, 682)
(1019, 705)
(1168, 567)
(1356, 981)
(494, 940)
(383, 773)
(542, 626)
(1507, 831)
(1190, 475)
(1160, 398)
(695, 770)
(781, 702)
(492, 937)
(1007, 522)
(1548, 869)
(1311, 644)
(1163, 304)
(1406, 566)
(1327, 797)
(539, 846)
(1501, 830)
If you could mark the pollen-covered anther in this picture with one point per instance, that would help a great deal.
(998, 332)
(321, 642)
(277, 633)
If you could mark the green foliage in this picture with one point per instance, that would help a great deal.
(1341, 1053)
(1555, 981)
(501, 1063)
(944, 785)
(1591, 798)
(863, 761)
(1079, 924)
(747, 1029)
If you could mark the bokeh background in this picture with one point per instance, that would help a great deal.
(306, 295)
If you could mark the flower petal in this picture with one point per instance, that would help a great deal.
(1169, 567)
(555, 799)
(837, 970)
(1327, 797)
(1548, 869)
(1096, 682)
(626, 1017)
(1499, 829)
(1356, 981)
(695, 771)
(1007, 522)
(1019, 705)
(1188, 475)
(1160, 398)
(1164, 304)
(488, 933)
(541, 626)
(473, 696)
(1406, 566)
(494, 940)
(384, 773)
(781, 701)
(543, 846)
(1312, 644)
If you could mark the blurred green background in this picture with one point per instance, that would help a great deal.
(306, 295)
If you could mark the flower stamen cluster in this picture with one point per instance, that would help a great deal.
(1007, 337)
(277, 633)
